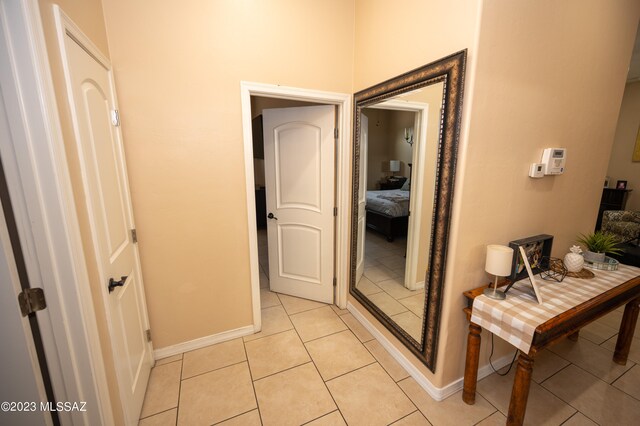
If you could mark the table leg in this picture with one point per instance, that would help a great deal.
(520, 391)
(471, 364)
(574, 336)
(627, 328)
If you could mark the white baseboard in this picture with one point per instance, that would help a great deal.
(202, 342)
(436, 393)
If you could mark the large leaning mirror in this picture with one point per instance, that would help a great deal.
(405, 146)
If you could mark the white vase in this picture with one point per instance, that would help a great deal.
(573, 262)
(591, 256)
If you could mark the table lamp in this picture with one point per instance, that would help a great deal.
(394, 166)
(498, 264)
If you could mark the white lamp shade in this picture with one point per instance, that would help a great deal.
(499, 260)
(394, 165)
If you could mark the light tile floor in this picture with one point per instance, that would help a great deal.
(316, 364)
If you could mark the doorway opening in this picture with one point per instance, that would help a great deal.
(255, 99)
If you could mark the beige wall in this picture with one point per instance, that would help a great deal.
(561, 87)
(390, 40)
(543, 79)
(87, 14)
(620, 165)
(178, 67)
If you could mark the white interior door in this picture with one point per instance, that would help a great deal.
(19, 371)
(299, 145)
(92, 100)
(362, 195)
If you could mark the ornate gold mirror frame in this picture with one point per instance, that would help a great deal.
(450, 71)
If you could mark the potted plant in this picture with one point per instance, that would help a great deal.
(597, 244)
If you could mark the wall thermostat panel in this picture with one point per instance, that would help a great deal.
(554, 160)
(536, 170)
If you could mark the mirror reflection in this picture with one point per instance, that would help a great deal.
(399, 140)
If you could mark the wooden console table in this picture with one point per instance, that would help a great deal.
(566, 324)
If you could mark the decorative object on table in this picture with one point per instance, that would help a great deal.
(583, 273)
(394, 167)
(536, 248)
(608, 264)
(553, 269)
(574, 261)
(498, 263)
(597, 244)
(621, 184)
(532, 278)
(606, 181)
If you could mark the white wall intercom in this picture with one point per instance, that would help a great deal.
(554, 160)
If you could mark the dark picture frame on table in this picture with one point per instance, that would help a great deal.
(621, 184)
(536, 248)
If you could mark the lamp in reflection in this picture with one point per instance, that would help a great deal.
(498, 264)
(408, 135)
(394, 166)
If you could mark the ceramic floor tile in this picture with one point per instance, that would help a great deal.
(275, 353)
(274, 320)
(546, 364)
(268, 298)
(332, 419)
(410, 323)
(356, 326)
(294, 305)
(590, 357)
(392, 262)
(366, 287)
(391, 366)
(216, 396)
(378, 273)
(212, 357)
(543, 408)
(634, 351)
(597, 332)
(338, 310)
(629, 383)
(328, 354)
(166, 418)
(452, 411)
(600, 402)
(252, 418)
(162, 390)
(386, 303)
(579, 419)
(317, 323)
(414, 303)
(168, 359)
(496, 419)
(396, 289)
(368, 396)
(293, 397)
(612, 319)
(414, 419)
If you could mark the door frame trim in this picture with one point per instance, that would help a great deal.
(342, 182)
(39, 179)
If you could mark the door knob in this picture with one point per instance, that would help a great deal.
(271, 216)
(113, 283)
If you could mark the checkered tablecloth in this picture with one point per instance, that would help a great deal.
(516, 318)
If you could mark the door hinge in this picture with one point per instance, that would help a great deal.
(115, 117)
(148, 334)
(134, 235)
(31, 300)
(336, 133)
(335, 211)
(335, 282)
